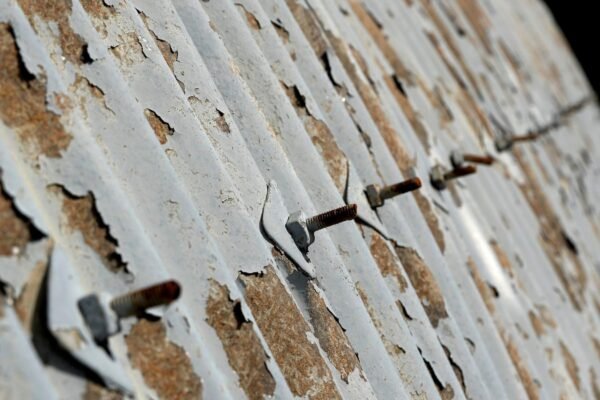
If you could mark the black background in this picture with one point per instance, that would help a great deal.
(580, 22)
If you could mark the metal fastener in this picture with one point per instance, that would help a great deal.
(439, 175)
(378, 195)
(504, 143)
(302, 229)
(457, 158)
(136, 302)
(101, 314)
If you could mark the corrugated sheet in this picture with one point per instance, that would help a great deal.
(146, 140)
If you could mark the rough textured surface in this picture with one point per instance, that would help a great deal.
(424, 283)
(82, 215)
(166, 367)
(241, 344)
(146, 135)
(286, 333)
(23, 102)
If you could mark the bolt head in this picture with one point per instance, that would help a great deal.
(503, 143)
(372, 192)
(436, 175)
(296, 226)
(457, 158)
(98, 316)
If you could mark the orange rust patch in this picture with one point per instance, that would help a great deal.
(82, 215)
(165, 48)
(431, 219)
(244, 351)
(331, 335)
(528, 383)
(537, 324)
(309, 25)
(161, 128)
(73, 47)
(571, 365)
(322, 138)
(97, 392)
(98, 9)
(381, 41)
(552, 238)
(411, 114)
(250, 18)
(129, 50)
(25, 304)
(23, 102)
(424, 283)
(478, 20)
(165, 366)
(285, 330)
(17, 230)
(502, 258)
(482, 286)
(385, 259)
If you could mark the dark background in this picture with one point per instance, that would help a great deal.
(580, 23)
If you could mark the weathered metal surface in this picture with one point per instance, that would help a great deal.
(150, 140)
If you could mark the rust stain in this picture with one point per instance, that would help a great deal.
(478, 20)
(250, 18)
(23, 102)
(503, 258)
(571, 365)
(386, 260)
(17, 230)
(382, 42)
(94, 391)
(309, 25)
(431, 219)
(161, 128)
(244, 351)
(81, 215)
(129, 50)
(322, 138)
(170, 56)
(456, 368)
(331, 335)
(285, 331)
(424, 283)
(73, 46)
(552, 238)
(537, 324)
(100, 13)
(484, 289)
(222, 122)
(596, 343)
(528, 383)
(29, 298)
(411, 114)
(165, 366)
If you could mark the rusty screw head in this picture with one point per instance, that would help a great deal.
(440, 175)
(138, 301)
(377, 195)
(302, 229)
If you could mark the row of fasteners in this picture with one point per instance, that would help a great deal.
(102, 314)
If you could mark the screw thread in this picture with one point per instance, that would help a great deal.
(402, 187)
(525, 138)
(135, 302)
(460, 171)
(486, 160)
(329, 218)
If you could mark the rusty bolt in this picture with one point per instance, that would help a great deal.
(440, 175)
(505, 143)
(303, 229)
(136, 302)
(458, 158)
(378, 195)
